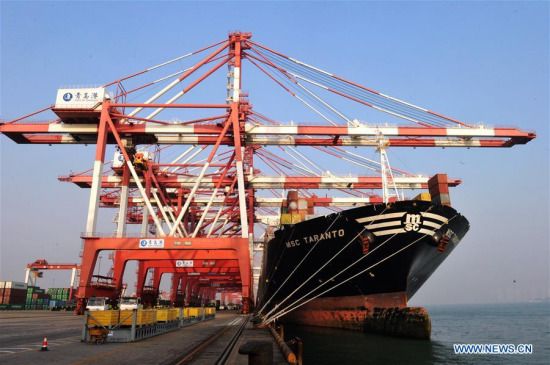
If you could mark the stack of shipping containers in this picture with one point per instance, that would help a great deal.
(37, 298)
(18, 295)
(59, 297)
(12, 295)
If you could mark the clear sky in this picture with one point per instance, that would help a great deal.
(477, 61)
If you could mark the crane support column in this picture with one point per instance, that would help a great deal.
(73, 279)
(141, 276)
(89, 258)
(98, 169)
(123, 203)
(27, 275)
(118, 271)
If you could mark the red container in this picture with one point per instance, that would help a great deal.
(13, 300)
(13, 291)
(13, 296)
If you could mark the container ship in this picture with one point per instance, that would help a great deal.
(358, 268)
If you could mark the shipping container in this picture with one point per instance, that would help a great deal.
(15, 285)
(13, 295)
(59, 293)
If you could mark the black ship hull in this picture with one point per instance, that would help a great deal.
(375, 256)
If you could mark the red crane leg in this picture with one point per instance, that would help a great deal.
(246, 275)
(185, 290)
(118, 271)
(89, 258)
(157, 277)
(140, 278)
(194, 297)
(149, 293)
(175, 283)
(180, 293)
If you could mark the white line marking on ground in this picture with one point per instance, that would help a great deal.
(15, 348)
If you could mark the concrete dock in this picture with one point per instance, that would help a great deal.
(22, 333)
(255, 334)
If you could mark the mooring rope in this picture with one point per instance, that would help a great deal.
(303, 259)
(316, 272)
(286, 310)
(324, 265)
(327, 281)
(297, 266)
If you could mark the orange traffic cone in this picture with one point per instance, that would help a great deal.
(44, 344)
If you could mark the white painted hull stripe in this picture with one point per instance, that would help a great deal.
(426, 231)
(384, 224)
(389, 231)
(431, 224)
(434, 216)
(380, 217)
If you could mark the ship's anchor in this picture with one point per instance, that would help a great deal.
(443, 243)
(366, 239)
(442, 239)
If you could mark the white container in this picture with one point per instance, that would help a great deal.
(15, 285)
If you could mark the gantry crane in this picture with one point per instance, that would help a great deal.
(199, 204)
(34, 271)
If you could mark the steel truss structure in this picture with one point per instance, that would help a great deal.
(197, 212)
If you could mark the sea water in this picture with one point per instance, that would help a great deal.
(515, 324)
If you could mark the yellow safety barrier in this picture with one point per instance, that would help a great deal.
(167, 314)
(163, 315)
(103, 318)
(193, 312)
(144, 316)
(173, 314)
(110, 318)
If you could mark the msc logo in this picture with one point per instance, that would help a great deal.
(67, 96)
(412, 222)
